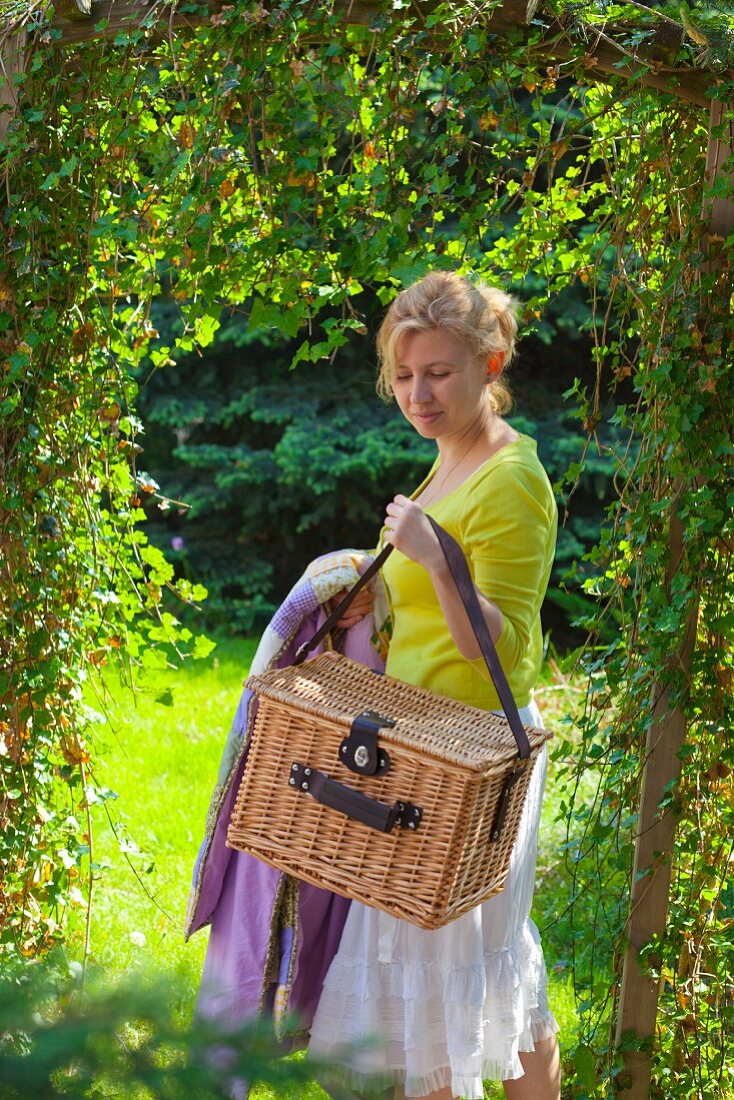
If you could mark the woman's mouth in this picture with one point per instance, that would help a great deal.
(426, 418)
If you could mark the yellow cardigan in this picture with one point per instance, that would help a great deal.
(504, 517)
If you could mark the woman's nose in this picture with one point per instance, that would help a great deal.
(421, 391)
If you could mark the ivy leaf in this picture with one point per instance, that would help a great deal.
(69, 165)
(585, 1063)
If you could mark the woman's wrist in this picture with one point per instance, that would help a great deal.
(436, 565)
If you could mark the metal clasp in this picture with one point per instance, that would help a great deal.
(359, 751)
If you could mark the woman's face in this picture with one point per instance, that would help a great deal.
(439, 385)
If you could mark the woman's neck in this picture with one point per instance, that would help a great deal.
(475, 438)
(461, 457)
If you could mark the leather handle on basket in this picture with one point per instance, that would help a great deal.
(370, 811)
(462, 579)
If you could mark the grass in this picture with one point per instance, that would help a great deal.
(162, 763)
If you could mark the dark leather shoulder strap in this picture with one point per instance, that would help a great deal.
(462, 579)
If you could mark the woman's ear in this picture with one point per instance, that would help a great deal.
(495, 363)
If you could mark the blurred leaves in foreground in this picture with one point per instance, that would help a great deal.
(59, 1040)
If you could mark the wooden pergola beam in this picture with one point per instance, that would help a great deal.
(607, 59)
(651, 64)
(75, 20)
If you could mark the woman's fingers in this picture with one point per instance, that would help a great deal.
(408, 529)
(361, 605)
(364, 599)
(399, 505)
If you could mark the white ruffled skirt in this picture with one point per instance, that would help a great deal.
(450, 1007)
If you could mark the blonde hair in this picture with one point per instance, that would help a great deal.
(481, 316)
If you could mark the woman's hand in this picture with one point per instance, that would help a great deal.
(360, 606)
(409, 530)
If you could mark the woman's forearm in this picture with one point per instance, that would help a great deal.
(455, 613)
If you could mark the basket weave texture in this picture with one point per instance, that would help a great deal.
(446, 757)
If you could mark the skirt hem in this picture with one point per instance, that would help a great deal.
(468, 1085)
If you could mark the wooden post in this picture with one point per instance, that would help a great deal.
(12, 61)
(719, 212)
(638, 1000)
(656, 830)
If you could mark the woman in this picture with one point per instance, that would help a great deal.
(467, 1002)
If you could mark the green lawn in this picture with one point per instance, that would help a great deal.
(162, 761)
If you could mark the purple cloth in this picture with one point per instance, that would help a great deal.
(237, 893)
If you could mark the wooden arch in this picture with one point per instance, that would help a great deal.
(654, 65)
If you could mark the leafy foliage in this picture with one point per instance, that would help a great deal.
(59, 1041)
(245, 163)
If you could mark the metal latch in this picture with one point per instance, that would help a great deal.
(359, 751)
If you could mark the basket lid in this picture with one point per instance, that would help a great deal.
(337, 688)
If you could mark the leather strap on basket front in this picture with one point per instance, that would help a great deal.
(462, 579)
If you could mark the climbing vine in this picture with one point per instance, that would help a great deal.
(672, 308)
(275, 162)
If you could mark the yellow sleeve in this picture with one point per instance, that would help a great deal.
(508, 536)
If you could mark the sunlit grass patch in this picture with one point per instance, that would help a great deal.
(161, 761)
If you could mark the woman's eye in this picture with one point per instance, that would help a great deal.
(439, 374)
(402, 377)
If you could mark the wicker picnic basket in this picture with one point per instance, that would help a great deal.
(381, 791)
(447, 768)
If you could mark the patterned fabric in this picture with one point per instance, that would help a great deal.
(323, 579)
